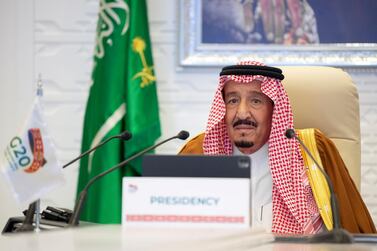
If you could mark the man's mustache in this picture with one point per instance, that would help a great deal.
(245, 122)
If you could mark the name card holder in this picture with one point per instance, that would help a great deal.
(186, 202)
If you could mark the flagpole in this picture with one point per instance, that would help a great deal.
(39, 86)
(38, 202)
(37, 216)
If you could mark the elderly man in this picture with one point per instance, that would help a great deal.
(249, 115)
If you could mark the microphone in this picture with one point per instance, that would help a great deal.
(183, 135)
(74, 220)
(337, 234)
(126, 135)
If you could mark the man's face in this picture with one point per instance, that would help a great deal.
(248, 115)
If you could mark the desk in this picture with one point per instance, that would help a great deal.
(114, 237)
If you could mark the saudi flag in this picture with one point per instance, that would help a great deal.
(122, 97)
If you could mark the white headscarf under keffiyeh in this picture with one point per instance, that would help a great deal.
(294, 208)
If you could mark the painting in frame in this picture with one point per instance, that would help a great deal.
(278, 32)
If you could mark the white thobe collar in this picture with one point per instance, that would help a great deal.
(261, 188)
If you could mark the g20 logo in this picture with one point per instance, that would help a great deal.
(19, 152)
(20, 156)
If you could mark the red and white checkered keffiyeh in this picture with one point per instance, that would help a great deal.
(294, 208)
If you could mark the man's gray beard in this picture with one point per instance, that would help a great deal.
(244, 144)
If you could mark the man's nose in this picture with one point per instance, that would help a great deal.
(243, 111)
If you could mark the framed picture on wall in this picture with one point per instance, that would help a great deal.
(278, 32)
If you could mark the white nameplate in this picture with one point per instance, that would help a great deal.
(186, 202)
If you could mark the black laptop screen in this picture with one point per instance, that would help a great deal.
(196, 166)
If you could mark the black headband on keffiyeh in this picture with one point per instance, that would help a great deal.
(267, 71)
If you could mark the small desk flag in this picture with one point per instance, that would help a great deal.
(30, 164)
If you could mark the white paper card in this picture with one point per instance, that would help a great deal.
(186, 202)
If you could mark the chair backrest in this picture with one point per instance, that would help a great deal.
(327, 99)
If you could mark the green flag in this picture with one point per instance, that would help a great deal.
(122, 97)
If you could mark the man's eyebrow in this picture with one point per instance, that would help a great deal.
(230, 94)
(257, 93)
